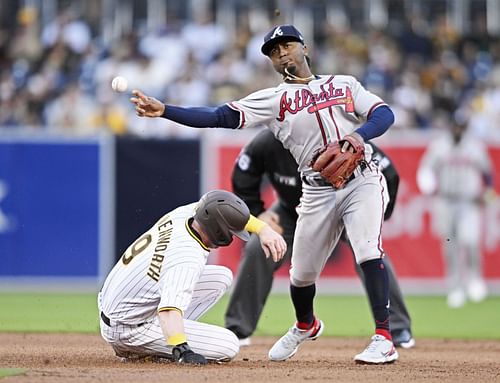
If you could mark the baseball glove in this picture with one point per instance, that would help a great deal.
(337, 160)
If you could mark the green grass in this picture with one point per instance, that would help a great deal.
(11, 371)
(48, 312)
(343, 315)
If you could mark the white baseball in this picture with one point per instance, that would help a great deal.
(119, 84)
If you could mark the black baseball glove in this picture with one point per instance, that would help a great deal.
(183, 354)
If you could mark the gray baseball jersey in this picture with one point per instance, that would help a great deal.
(455, 173)
(165, 268)
(305, 117)
(458, 169)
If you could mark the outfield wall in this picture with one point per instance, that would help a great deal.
(70, 206)
(56, 207)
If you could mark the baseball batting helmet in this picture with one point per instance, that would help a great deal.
(221, 215)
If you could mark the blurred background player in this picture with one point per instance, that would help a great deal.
(265, 157)
(151, 300)
(456, 168)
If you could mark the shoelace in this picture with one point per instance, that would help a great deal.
(293, 337)
(374, 344)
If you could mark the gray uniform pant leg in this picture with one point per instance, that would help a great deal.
(398, 313)
(255, 278)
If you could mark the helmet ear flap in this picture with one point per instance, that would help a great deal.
(217, 235)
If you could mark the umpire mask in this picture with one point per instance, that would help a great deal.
(221, 215)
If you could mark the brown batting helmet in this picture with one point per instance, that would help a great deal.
(221, 215)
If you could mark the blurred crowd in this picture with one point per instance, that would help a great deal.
(57, 76)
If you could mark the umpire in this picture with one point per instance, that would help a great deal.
(265, 155)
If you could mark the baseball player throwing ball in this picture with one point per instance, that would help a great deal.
(152, 298)
(264, 157)
(323, 120)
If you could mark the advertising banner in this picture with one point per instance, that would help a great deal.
(408, 237)
(49, 208)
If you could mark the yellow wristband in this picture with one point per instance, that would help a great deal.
(254, 225)
(176, 339)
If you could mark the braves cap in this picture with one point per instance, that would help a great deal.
(280, 33)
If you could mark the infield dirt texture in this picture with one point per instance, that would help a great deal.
(58, 358)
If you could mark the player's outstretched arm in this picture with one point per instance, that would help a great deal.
(195, 117)
(146, 106)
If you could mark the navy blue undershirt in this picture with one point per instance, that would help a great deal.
(203, 117)
(224, 117)
(377, 124)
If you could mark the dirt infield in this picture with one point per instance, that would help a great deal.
(58, 358)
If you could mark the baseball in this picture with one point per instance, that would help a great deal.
(119, 84)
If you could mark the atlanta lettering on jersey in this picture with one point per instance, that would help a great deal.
(165, 233)
(315, 101)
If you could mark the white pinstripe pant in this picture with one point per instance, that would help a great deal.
(214, 342)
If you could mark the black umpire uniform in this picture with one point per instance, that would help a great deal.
(265, 155)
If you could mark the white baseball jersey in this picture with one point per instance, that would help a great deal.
(165, 268)
(305, 117)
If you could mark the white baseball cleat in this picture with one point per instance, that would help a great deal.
(380, 350)
(476, 290)
(245, 342)
(456, 299)
(288, 344)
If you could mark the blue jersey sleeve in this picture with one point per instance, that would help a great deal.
(203, 117)
(377, 124)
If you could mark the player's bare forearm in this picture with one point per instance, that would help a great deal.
(272, 219)
(172, 325)
(146, 106)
